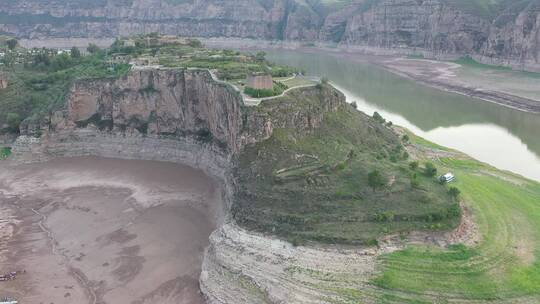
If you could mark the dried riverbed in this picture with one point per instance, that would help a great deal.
(95, 230)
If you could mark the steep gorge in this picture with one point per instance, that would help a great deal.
(435, 28)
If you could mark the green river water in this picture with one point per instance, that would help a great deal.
(505, 138)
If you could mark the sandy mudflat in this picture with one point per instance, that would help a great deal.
(95, 230)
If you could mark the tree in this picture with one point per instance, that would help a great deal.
(376, 180)
(9, 59)
(354, 104)
(378, 117)
(13, 120)
(260, 56)
(415, 183)
(413, 165)
(12, 43)
(61, 62)
(75, 52)
(324, 80)
(430, 169)
(92, 48)
(454, 193)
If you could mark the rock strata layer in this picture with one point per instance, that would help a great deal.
(435, 28)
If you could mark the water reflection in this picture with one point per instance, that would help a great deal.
(506, 138)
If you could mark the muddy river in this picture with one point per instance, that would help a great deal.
(94, 230)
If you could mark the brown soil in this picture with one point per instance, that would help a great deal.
(94, 230)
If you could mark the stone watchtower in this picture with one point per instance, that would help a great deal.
(259, 81)
(3, 80)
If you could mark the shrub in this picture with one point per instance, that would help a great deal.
(4, 153)
(426, 199)
(405, 155)
(75, 53)
(354, 104)
(376, 179)
(324, 80)
(430, 169)
(384, 217)
(341, 166)
(454, 193)
(260, 56)
(195, 43)
(415, 183)
(12, 43)
(413, 165)
(405, 138)
(92, 48)
(454, 211)
(378, 117)
(13, 120)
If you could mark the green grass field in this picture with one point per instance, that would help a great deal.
(504, 265)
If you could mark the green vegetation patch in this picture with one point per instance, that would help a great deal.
(278, 89)
(39, 80)
(5, 153)
(505, 263)
(346, 180)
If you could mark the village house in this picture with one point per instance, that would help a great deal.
(259, 81)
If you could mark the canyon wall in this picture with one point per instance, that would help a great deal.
(435, 28)
(175, 115)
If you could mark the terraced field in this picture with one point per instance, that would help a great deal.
(504, 266)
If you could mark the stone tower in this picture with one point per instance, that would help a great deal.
(259, 82)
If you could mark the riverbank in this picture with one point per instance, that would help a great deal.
(436, 74)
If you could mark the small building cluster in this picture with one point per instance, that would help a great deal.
(259, 81)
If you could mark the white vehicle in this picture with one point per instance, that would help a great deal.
(448, 177)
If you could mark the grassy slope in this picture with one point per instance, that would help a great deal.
(303, 187)
(504, 265)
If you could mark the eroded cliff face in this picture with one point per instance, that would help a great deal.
(174, 103)
(437, 28)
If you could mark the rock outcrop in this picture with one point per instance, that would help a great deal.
(156, 103)
(436, 28)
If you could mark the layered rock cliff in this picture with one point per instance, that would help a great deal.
(508, 34)
(175, 103)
